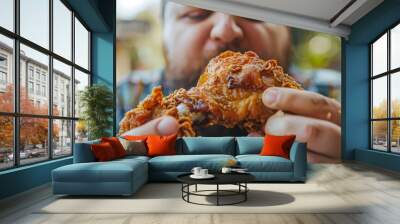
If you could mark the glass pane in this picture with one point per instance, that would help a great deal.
(379, 135)
(379, 97)
(34, 97)
(395, 47)
(395, 94)
(33, 139)
(81, 131)
(35, 21)
(379, 55)
(62, 89)
(7, 14)
(81, 45)
(62, 29)
(6, 142)
(6, 74)
(395, 136)
(62, 138)
(81, 81)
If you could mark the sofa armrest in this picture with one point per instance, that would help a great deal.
(298, 155)
(83, 152)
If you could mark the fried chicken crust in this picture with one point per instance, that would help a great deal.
(228, 93)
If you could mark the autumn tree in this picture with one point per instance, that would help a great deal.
(33, 131)
(380, 127)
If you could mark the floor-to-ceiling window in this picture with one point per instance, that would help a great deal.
(385, 91)
(44, 64)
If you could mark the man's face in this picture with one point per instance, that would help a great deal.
(192, 36)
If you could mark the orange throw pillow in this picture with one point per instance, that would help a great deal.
(277, 145)
(161, 145)
(116, 145)
(103, 152)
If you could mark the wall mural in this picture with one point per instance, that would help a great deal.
(226, 75)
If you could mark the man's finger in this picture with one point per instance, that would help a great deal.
(165, 125)
(322, 137)
(303, 103)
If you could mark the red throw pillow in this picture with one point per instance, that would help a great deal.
(277, 145)
(116, 145)
(161, 145)
(103, 152)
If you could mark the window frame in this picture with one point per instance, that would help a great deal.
(388, 74)
(16, 114)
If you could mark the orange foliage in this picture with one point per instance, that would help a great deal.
(33, 130)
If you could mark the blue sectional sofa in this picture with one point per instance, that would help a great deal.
(125, 176)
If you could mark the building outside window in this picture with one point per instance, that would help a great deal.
(3, 60)
(37, 74)
(43, 90)
(3, 78)
(38, 89)
(30, 72)
(30, 87)
(57, 123)
(3, 71)
(44, 77)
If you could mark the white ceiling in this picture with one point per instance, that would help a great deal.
(318, 15)
(321, 9)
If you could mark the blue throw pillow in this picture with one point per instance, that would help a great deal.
(249, 145)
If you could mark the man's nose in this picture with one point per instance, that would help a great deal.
(225, 29)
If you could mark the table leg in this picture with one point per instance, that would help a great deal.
(217, 194)
(245, 193)
(188, 189)
(196, 187)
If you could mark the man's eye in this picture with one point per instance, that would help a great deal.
(198, 15)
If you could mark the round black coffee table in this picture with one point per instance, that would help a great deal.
(238, 179)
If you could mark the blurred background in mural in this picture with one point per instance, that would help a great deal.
(315, 57)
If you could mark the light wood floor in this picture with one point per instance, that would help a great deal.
(351, 181)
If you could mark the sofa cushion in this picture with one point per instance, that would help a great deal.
(185, 163)
(249, 145)
(208, 145)
(257, 163)
(132, 158)
(112, 171)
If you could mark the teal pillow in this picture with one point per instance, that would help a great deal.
(83, 152)
(249, 145)
(208, 145)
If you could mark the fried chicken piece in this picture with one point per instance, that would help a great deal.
(228, 93)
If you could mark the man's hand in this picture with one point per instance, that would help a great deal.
(313, 118)
(165, 125)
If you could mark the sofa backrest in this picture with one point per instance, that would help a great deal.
(249, 145)
(206, 145)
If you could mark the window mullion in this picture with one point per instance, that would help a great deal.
(50, 81)
(371, 137)
(389, 106)
(16, 84)
(73, 82)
